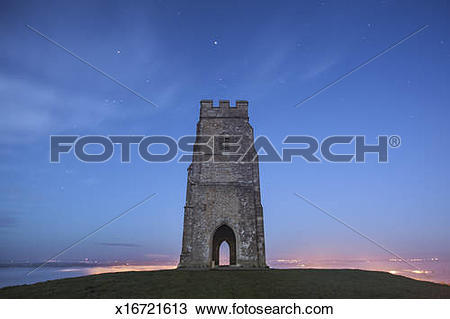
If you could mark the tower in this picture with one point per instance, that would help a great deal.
(223, 201)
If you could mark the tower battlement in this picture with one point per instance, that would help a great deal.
(224, 109)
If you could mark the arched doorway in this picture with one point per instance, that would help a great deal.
(224, 233)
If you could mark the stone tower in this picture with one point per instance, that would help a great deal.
(223, 201)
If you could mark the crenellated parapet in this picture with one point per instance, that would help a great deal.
(224, 109)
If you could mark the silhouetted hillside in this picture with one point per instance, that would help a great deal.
(293, 283)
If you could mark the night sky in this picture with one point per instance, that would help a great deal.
(271, 53)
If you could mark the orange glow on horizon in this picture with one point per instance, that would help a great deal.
(434, 270)
(124, 268)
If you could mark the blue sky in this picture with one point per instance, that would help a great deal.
(272, 54)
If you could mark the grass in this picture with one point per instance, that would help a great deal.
(292, 283)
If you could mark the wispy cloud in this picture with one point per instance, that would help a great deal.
(319, 68)
(30, 109)
(119, 244)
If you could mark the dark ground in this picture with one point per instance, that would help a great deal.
(293, 283)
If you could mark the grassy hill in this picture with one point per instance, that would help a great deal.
(293, 283)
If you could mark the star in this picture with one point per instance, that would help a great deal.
(118, 51)
(215, 42)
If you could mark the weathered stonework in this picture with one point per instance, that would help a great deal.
(223, 201)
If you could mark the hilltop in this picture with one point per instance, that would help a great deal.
(273, 283)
